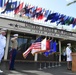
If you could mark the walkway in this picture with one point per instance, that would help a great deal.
(31, 68)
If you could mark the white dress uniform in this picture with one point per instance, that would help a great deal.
(68, 53)
(2, 46)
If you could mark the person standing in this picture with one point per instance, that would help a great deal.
(69, 56)
(13, 51)
(2, 44)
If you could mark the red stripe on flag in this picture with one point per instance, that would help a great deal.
(25, 54)
(36, 45)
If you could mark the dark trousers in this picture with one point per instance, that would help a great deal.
(63, 58)
(13, 53)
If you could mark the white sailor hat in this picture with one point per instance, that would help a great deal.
(3, 29)
(69, 44)
(15, 35)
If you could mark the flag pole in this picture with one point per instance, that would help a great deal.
(49, 59)
(56, 55)
(45, 62)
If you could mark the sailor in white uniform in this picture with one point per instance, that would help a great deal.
(69, 56)
(2, 43)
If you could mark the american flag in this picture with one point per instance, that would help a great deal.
(34, 46)
(39, 47)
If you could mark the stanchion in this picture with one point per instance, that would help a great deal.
(53, 60)
(49, 65)
(45, 65)
(56, 59)
(40, 68)
(49, 62)
(53, 64)
(59, 64)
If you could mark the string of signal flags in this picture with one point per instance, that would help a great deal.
(35, 12)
